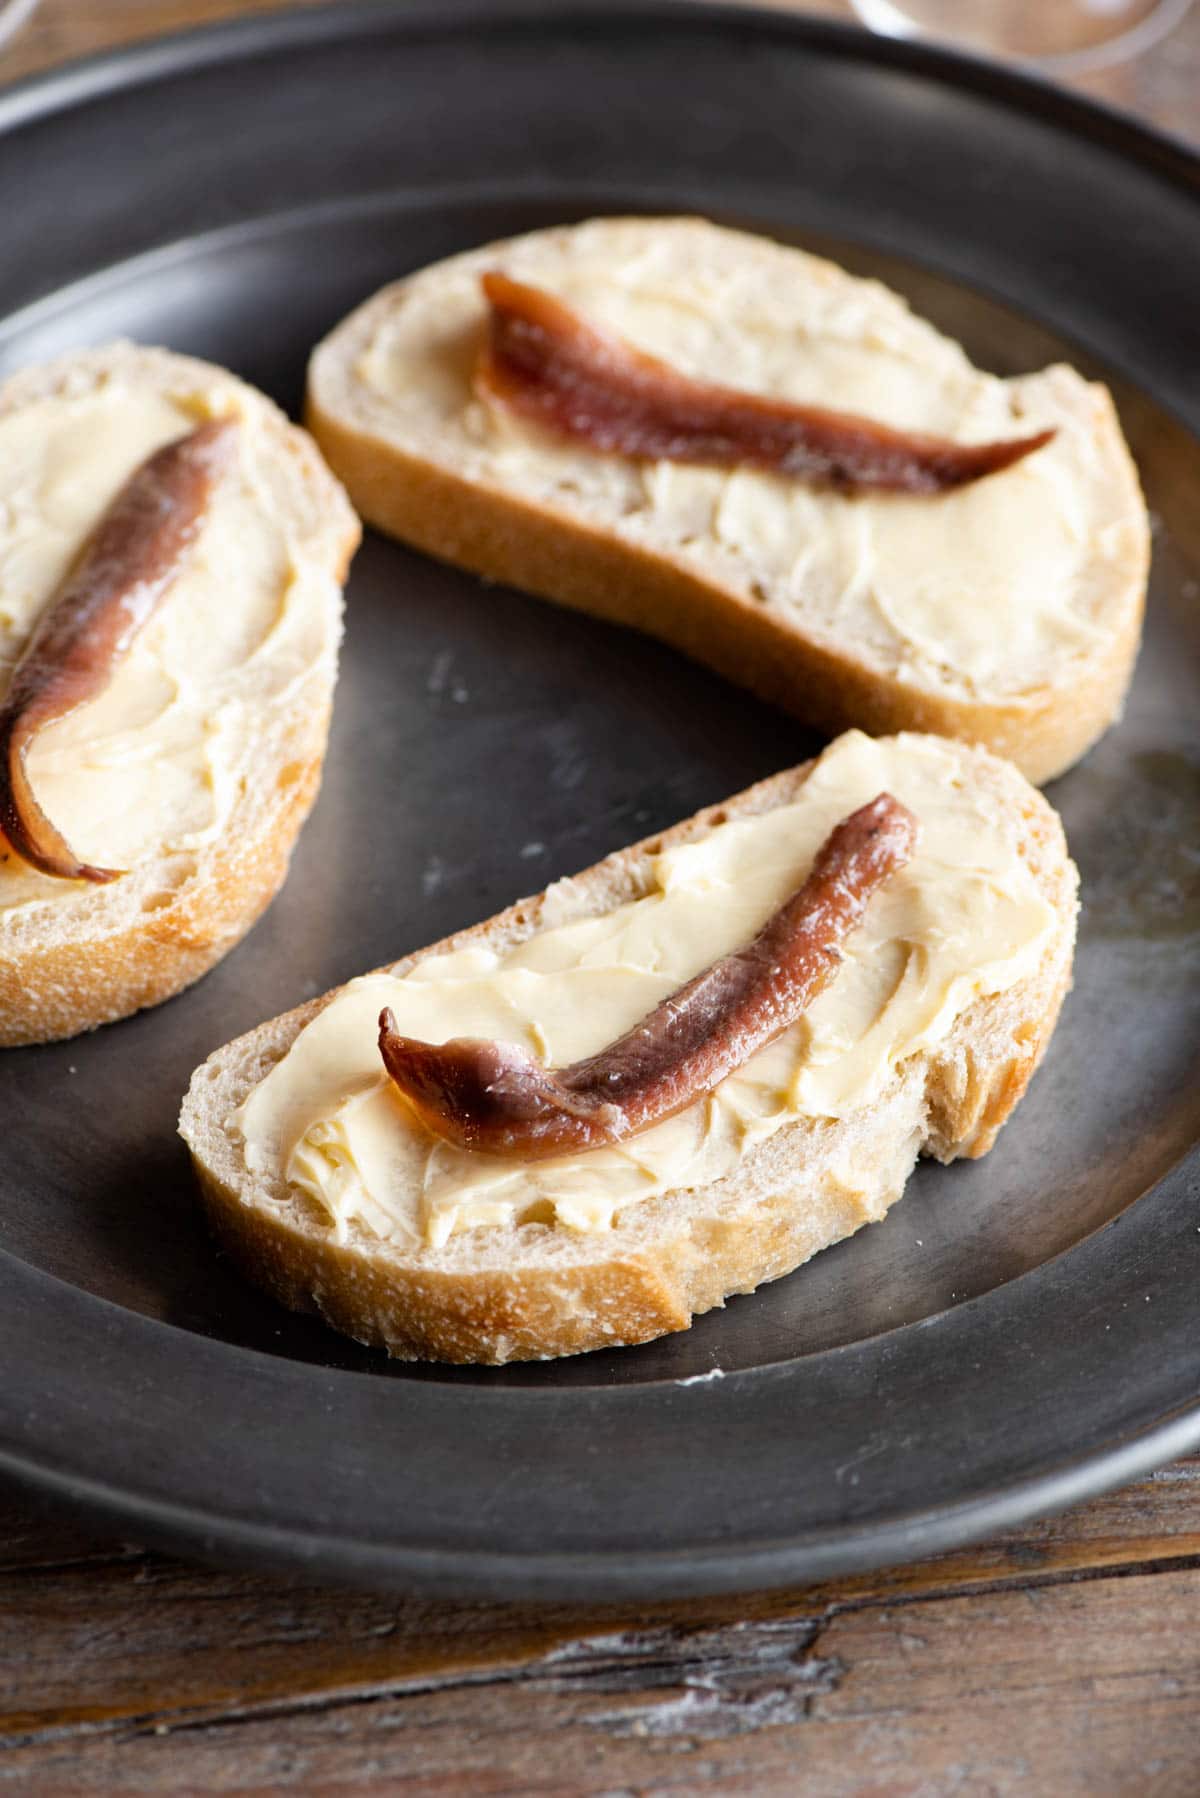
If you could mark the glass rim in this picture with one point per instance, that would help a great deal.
(888, 19)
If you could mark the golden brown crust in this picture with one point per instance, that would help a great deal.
(418, 1314)
(58, 989)
(669, 1258)
(537, 549)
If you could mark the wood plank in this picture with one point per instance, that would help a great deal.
(95, 1635)
(62, 29)
(1082, 1687)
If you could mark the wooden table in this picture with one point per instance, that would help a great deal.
(1062, 1658)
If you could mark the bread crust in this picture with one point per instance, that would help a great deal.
(500, 1294)
(57, 989)
(168, 922)
(549, 551)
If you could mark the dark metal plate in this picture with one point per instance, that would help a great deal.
(1017, 1333)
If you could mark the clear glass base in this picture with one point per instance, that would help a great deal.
(13, 14)
(1065, 37)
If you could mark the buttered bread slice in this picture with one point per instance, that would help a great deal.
(326, 1186)
(1006, 611)
(171, 558)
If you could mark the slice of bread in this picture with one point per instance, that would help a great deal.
(531, 1289)
(1007, 613)
(195, 768)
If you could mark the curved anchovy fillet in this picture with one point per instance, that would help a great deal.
(496, 1098)
(123, 571)
(548, 364)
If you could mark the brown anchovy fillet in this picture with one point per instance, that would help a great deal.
(548, 364)
(122, 572)
(496, 1098)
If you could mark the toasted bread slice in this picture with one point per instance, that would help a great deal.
(518, 1281)
(194, 769)
(1007, 613)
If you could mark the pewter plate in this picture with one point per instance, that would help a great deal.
(1018, 1332)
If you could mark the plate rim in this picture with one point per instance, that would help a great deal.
(231, 1537)
(579, 1576)
(103, 72)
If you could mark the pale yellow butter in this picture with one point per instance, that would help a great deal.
(964, 919)
(150, 765)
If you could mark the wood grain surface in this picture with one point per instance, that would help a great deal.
(1063, 1658)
